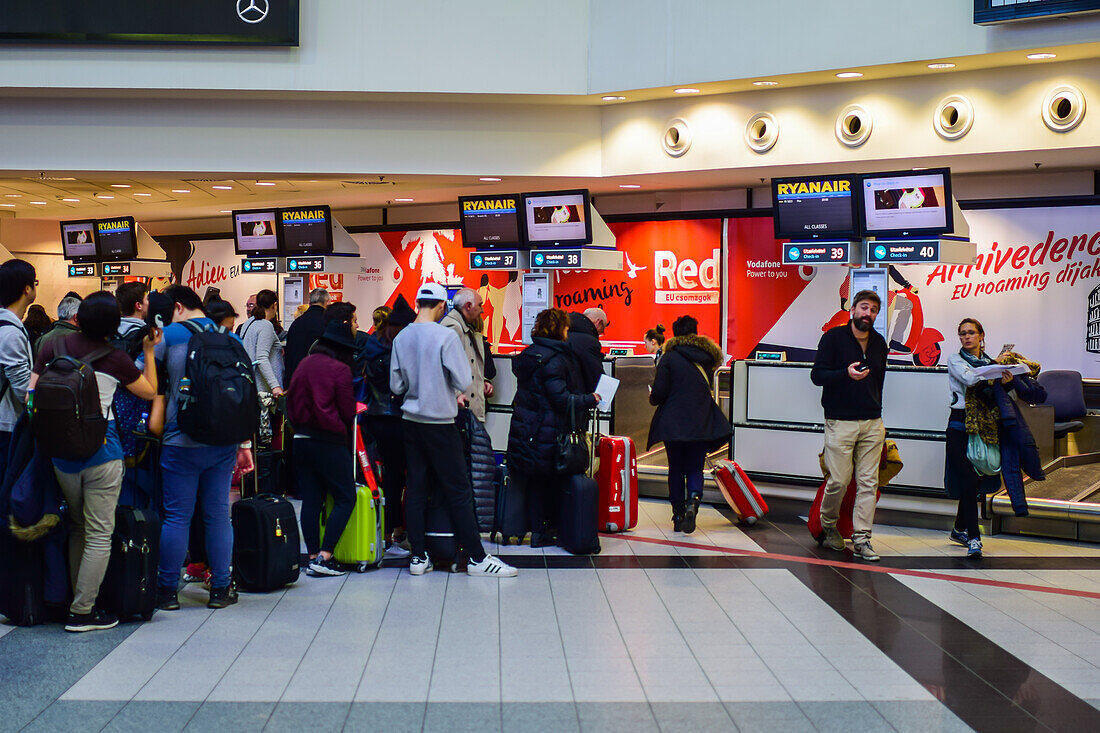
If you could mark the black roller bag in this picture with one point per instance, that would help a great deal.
(510, 520)
(578, 518)
(266, 544)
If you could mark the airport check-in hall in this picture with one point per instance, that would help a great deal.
(615, 365)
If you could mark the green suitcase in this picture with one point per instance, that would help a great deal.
(363, 542)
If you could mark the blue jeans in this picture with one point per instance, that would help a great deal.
(188, 474)
(685, 469)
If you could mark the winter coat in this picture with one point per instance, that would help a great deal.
(1019, 454)
(473, 343)
(686, 410)
(584, 341)
(548, 386)
(305, 329)
(321, 403)
(375, 357)
(482, 467)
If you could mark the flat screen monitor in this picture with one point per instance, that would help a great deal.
(305, 230)
(490, 221)
(558, 217)
(78, 240)
(254, 233)
(907, 203)
(117, 238)
(816, 207)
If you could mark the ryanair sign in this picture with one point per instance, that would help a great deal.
(108, 226)
(834, 187)
(303, 215)
(489, 206)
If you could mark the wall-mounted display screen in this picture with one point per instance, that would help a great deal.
(558, 217)
(254, 232)
(816, 207)
(117, 238)
(490, 221)
(78, 240)
(907, 203)
(306, 230)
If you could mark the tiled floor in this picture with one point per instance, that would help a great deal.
(648, 636)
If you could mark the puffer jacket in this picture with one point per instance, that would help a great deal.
(686, 410)
(584, 341)
(548, 386)
(375, 358)
(481, 466)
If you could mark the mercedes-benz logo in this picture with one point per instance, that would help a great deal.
(253, 11)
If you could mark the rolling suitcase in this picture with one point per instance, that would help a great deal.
(739, 492)
(889, 466)
(363, 542)
(617, 478)
(22, 580)
(510, 516)
(579, 516)
(266, 544)
(130, 585)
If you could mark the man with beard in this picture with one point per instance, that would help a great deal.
(850, 368)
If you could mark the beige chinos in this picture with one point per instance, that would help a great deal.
(92, 496)
(852, 445)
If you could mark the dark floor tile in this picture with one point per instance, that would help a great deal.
(769, 717)
(615, 717)
(462, 717)
(617, 562)
(919, 716)
(315, 717)
(691, 717)
(545, 717)
(75, 715)
(568, 562)
(391, 717)
(139, 716)
(238, 717)
(844, 717)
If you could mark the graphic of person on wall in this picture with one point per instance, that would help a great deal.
(902, 306)
(428, 254)
(502, 308)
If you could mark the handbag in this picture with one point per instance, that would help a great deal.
(571, 456)
(985, 457)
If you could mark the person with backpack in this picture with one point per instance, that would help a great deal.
(65, 323)
(382, 420)
(206, 436)
(18, 289)
(132, 302)
(89, 481)
(262, 343)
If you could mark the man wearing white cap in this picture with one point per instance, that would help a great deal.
(429, 366)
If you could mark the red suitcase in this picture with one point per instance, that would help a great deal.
(843, 519)
(617, 478)
(739, 492)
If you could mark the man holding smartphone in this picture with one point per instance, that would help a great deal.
(850, 368)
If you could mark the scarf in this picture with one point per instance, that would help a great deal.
(981, 418)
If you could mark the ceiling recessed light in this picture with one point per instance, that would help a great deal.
(12, 205)
(629, 185)
(262, 183)
(13, 195)
(223, 188)
(103, 196)
(71, 201)
(686, 90)
(1039, 56)
(181, 190)
(403, 201)
(143, 194)
(489, 179)
(226, 211)
(944, 65)
(612, 98)
(920, 168)
(121, 185)
(37, 203)
(765, 83)
(849, 75)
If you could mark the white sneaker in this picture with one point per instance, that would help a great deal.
(420, 565)
(396, 552)
(492, 566)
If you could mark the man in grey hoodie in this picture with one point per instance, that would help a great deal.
(18, 289)
(429, 367)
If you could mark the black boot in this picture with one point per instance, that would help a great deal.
(167, 601)
(689, 515)
(677, 522)
(222, 597)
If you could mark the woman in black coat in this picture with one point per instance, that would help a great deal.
(549, 386)
(687, 420)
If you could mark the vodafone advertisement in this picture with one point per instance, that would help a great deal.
(1036, 285)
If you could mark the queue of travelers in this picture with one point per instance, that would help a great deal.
(415, 378)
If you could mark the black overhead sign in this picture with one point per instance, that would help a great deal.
(239, 22)
(1004, 11)
(507, 259)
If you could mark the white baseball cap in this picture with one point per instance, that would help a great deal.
(431, 291)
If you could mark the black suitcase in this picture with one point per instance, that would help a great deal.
(130, 586)
(266, 544)
(578, 518)
(22, 580)
(510, 520)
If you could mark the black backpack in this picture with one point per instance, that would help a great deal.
(68, 418)
(219, 405)
(130, 342)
